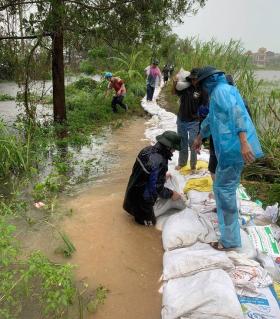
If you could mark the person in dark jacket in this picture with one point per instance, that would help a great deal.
(165, 72)
(148, 177)
(188, 119)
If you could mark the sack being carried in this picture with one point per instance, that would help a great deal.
(182, 82)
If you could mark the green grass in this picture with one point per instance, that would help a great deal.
(6, 97)
(266, 192)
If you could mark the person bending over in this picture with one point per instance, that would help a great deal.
(148, 177)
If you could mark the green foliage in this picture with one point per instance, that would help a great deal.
(6, 97)
(14, 152)
(12, 207)
(68, 248)
(47, 190)
(8, 248)
(137, 88)
(100, 296)
(56, 284)
(45, 283)
(87, 67)
(85, 84)
(130, 66)
(266, 192)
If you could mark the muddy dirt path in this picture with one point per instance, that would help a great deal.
(111, 249)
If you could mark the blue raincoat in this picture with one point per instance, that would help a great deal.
(226, 119)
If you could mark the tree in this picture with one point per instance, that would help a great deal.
(118, 21)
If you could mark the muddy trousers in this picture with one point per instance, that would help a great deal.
(225, 186)
(118, 99)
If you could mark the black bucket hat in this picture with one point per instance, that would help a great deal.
(170, 139)
(207, 71)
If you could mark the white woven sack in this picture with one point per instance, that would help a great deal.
(205, 295)
(185, 262)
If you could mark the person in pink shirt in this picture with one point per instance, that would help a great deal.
(153, 79)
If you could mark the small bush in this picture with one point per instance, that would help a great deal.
(85, 84)
(6, 97)
(87, 67)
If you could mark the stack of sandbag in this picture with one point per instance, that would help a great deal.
(196, 284)
(200, 282)
(205, 295)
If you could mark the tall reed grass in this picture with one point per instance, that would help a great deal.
(14, 152)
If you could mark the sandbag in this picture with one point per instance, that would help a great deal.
(241, 259)
(197, 197)
(275, 231)
(242, 194)
(250, 208)
(182, 85)
(186, 228)
(271, 264)
(185, 262)
(248, 278)
(272, 213)
(164, 205)
(262, 306)
(205, 295)
(247, 248)
(263, 240)
(182, 82)
(202, 184)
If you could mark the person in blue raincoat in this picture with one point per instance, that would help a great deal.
(236, 142)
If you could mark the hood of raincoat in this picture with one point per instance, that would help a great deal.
(212, 81)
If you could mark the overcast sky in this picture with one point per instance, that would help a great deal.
(255, 22)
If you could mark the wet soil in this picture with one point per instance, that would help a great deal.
(112, 250)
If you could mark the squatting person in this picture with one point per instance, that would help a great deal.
(148, 177)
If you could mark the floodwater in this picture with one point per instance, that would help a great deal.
(268, 75)
(9, 109)
(112, 250)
